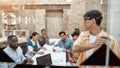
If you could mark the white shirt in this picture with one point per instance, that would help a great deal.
(30, 48)
(92, 38)
(17, 57)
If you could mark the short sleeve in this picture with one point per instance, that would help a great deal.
(30, 48)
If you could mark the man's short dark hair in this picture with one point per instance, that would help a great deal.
(11, 36)
(62, 32)
(43, 30)
(94, 14)
(74, 34)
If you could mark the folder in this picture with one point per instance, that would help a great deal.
(54, 66)
(4, 57)
(29, 66)
(99, 58)
(42, 66)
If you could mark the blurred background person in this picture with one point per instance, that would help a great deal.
(75, 34)
(75, 55)
(43, 38)
(65, 43)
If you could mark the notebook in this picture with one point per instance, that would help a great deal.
(44, 60)
(4, 57)
(101, 52)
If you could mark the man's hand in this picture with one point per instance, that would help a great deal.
(54, 50)
(99, 41)
(28, 61)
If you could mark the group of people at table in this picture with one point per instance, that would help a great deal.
(77, 48)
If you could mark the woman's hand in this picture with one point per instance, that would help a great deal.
(43, 48)
(39, 53)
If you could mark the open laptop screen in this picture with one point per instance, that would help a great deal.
(44, 60)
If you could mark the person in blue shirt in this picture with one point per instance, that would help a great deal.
(65, 43)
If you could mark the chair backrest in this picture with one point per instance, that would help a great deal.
(3, 44)
(23, 45)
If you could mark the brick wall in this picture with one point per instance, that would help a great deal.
(72, 18)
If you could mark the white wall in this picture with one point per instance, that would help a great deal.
(114, 18)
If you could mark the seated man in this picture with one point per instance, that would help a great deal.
(15, 53)
(43, 39)
(65, 43)
(75, 55)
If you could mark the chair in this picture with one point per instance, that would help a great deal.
(3, 44)
(23, 45)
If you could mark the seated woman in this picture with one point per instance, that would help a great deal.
(33, 45)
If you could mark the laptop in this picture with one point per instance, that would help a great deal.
(44, 60)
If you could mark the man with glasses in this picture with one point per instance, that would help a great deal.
(93, 38)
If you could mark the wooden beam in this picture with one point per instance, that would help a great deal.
(41, 6)
(5, 7)
(48, 6)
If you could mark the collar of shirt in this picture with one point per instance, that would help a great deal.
(9, 48)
